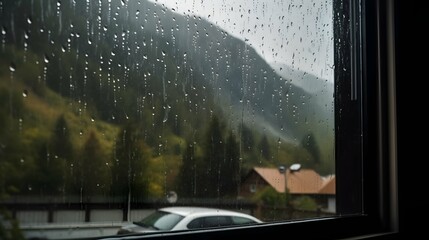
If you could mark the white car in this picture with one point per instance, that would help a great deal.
(184, 218)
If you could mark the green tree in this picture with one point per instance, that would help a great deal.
(61, 143)
(130, 164)
(188, 175)
(48, 177)
(230, 168)
(306, 203)
(214, 156)
(93, 171)
(62, 147)
(270, 197)
(275, 203)
(247, 140)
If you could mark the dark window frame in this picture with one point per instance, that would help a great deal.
(366, 153)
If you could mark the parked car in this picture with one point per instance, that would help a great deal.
(184, 218)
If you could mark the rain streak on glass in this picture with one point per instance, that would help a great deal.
(126, 103)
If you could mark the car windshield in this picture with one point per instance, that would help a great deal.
(160, 220)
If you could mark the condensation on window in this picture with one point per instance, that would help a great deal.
(110, 110)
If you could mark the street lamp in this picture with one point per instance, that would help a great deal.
(282, 169)
(292, 168)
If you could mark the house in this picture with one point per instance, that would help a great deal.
(300, 182)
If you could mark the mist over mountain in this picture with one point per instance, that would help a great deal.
(321, 89)
(307, 81)
(246, 85)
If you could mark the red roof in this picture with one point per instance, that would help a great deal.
(304, 181)
(273, 177)
(328, 186)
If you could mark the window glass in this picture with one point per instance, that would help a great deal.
(196, 223)
(216, 221)
(110, 110)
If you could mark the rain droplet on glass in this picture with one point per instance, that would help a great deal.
(12, 67)
(46, 59)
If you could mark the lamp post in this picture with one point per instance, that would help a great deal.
(283, 170)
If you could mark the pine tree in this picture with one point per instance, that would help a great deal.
(214, 155)
(48, 177)
(230, 169)
(247, 139)
(187, 179)
(93, 169)
(129, 170)
(61, 142)
(62, 148)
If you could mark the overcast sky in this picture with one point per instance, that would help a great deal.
(295, 32)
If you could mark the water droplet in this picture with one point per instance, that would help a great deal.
(29, 20)
(25, 93)
(46, 59)
(12, 67)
